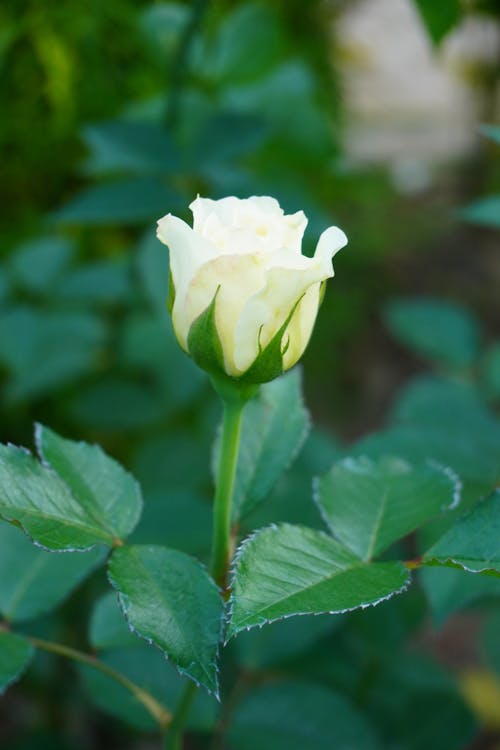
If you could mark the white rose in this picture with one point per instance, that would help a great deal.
(239, 276)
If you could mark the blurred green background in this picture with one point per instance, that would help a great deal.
(376, 115)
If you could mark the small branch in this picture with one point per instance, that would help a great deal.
(157, 711)
(413, 564)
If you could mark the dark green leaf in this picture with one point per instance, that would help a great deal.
(146, 667)
(114, 404)
(37, 265)
(281, 640)
(438, 330)
(288, 570)
(275, 425)
(15, 655)
(134, 201)
(42, 580)
(369, 505)
(473, 542)
(152, 265)
(45, 349)
(449, 590)
(170, 600)
(129, 146)
(108, 627)
(249, 43)
(107, 282)
(295, 716)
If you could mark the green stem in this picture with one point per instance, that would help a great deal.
(228, 459)
(157, 711)
(174, 734)
(221, 540)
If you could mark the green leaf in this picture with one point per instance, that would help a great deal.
(437, 330)
(275, 425)
(129, 202)
(108, 494)
(369, 505)
(105, 282)
(491, 372)
(77, 498)
(147, 668)
(439, 17)
(473, 542)
(445, 422)
(15, 655)
(171, 601)
(288, 570)
(108, 628)
(42, 580)
(248, 45)
(449, 590)
(152, 265)
(162, 24)
(129, 146)
(294, 716)
(484, 212)
(116, 404)
(45, 349)
(282, 640)
(491, 131)
(37, 265)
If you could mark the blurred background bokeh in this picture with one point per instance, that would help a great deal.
(380, 116)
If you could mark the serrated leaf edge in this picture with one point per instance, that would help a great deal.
(121, 598)
(236, 558)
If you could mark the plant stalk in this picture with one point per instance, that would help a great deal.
(157, 711)
(221, 540)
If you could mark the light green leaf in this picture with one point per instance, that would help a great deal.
(108, 494)
(491, 372)
(295, 716)
(77, 498)
(369, 505)
(42, 580)
(133, 201)
(15, 655)
(275, 425)
(129, 146)
(435, 329)
(288, 570)
(484, 212)
(473, 542)
(171, 601)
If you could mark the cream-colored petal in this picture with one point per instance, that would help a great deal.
(225, 209)
(299, 330)
(188, 252)
(330, 242)
(267, 311)
(237, 278)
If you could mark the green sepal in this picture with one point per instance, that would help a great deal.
(268, 364)
(171, 293)
(203, 341)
